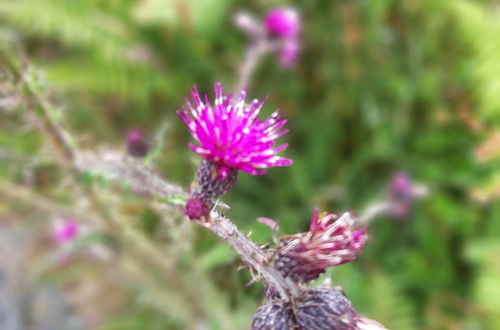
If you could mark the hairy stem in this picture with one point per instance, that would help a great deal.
(251, 254)
(254, 53)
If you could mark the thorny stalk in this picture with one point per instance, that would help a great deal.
(251, 254)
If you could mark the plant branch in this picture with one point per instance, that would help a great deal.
(251, 254)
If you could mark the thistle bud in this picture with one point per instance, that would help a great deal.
(65, 231)
(321, 308)
(197, 207)
(325, 308)
(274, 315)
(137, 145)
(329, 242)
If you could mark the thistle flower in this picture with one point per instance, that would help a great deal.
(65, 231)
(402, 193)
(232, 136)
(137, 145)
(401, 186)
(329, 242)
(283, 22)
(284, 25)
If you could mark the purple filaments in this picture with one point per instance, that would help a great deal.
(231, 134)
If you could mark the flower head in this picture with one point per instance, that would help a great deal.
(401, 195)
(137, 145)
(231, 135)
(283, 25)
(329, 242)
(65, 231)
(289, 52)
(401, 186)
(283, 22)
(196, 207)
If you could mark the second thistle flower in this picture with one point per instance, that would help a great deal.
(329, 242)
(231, 138)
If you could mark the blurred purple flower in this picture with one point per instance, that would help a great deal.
(401, 186)
(329, 242)
(283, 22)
(137, 145)
(401, 195)
(65, 231)
(289, 52)
(232, 136)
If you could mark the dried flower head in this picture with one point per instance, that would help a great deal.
(231, 135)
(329, 242)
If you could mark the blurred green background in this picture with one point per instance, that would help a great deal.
(380, 86)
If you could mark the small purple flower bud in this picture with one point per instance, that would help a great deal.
(65, 231)
(196, 207)
(329, 242)
(401, 195)
(283, 22)
(289, 52)
(137, 145)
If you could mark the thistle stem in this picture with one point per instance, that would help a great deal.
(253, 55)
(251, 254)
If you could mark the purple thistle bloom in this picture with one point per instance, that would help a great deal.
(65, 231)
(137, 145)
(283, 22)
(289, 52)
(231, 135)
(401, 186)
(401, 195)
